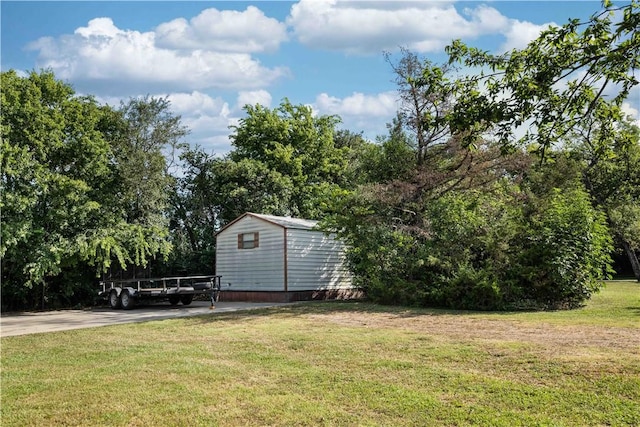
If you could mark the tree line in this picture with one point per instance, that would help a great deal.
(507, 188)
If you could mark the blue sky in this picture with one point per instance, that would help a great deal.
(212, 57)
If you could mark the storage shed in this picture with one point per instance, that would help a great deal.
(273, 258)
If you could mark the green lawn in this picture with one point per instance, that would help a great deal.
(337, 364)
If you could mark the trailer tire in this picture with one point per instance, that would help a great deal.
(186, 299)
(114, 300)
(174, 299)
(127, 301)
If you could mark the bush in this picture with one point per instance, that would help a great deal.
(487, 251)
(566, 252)
(471, 289)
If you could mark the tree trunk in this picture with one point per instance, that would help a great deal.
(635, 264)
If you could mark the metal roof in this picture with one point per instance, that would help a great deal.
(287, 221)
(281, 221)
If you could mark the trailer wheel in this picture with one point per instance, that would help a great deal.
(186, 299)
(114, 300)
(174, 299)
(126, 300)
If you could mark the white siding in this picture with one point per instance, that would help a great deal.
(315, 261)
(258, 269)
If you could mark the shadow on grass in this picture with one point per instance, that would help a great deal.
(335, 307)
(367, 307)
(634, 310)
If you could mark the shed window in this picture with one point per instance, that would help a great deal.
(248, 240)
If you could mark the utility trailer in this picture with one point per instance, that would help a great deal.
(126, 293)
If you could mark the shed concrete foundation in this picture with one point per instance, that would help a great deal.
(316, 295)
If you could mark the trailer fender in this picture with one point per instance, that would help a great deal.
(132, 291)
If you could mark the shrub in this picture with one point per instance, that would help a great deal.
(473, 289)
(486, 251)
(566, 251)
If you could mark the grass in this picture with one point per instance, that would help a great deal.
(618, 304)
(336, 364)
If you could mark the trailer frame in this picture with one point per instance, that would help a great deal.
(126, 293)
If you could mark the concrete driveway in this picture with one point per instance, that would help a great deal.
(33, 323)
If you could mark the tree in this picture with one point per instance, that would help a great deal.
(357, 151)
(415, 179)
(475, 223)
(62, 219)
(502, 247)
(214, 191)
(194, 215)
(249, 185)
(145, 136)
(553, 84)
(391, 158)
(294, 146)
(426, 97)
(625, 221)
(53, 163)
(611, 174)
(148, 134)
(566, 250)
(442, 162)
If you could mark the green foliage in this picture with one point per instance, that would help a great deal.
(611, 173)
(194, 215)
(147, 130)
(385, 264)
(566, 250)
(472, 237)
(486, 229)
(53, 161)
(468, 289)
(392, 158)
(625, 219)
(481, 250)
(60, 192)
(357, 151)
(556, 82)
(249, 185)
(296, 151)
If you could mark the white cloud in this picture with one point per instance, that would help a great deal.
(422, 26)
(519, 34)
(197, 103)
(261, 97)
(631, 107)
(99, 27)
(381, 105)
(487, 20)
(360, 112)
(207, 118)
(370, 27)
(127, 60)
(223, 31)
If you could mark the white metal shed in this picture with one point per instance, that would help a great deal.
(273, 258)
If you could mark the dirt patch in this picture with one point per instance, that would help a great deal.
(559, 338)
